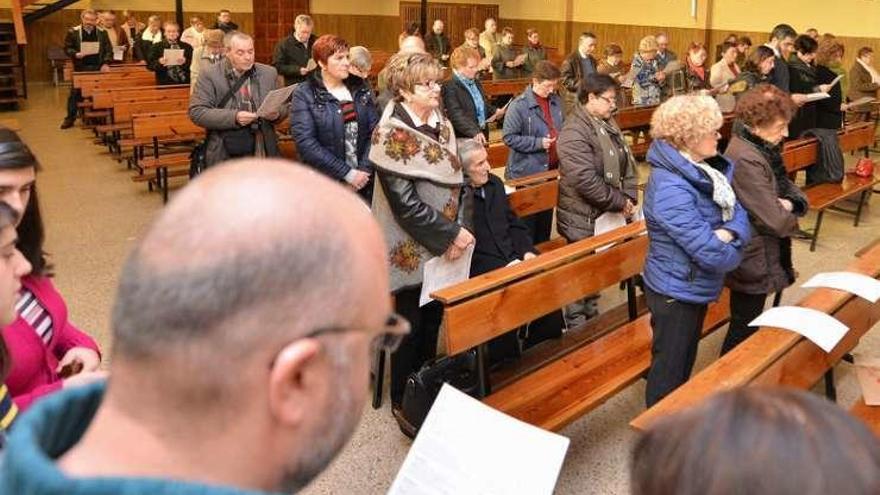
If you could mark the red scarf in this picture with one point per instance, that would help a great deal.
(552, 156)
(699, 71)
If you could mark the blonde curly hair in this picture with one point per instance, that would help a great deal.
(683, 120)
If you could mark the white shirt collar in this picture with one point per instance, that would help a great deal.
(433, 118)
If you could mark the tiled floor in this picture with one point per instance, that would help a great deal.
(94, 212)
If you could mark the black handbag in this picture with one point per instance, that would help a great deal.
(423, 386)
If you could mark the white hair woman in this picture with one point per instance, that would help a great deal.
(697, 231)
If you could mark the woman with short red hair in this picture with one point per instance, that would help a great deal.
(332, 116)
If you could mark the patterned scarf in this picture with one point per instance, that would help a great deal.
(433, 167)
(722, 192)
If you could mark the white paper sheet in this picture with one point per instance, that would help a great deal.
(118, 52)
(441, 273)
(817, 96)
(172, 56)
(823, 330)
(466, 447)
(90, 48)
(275, 103)
(836, 80)
(855, 283)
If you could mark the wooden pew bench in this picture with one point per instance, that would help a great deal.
(802, 153)
(776, 357)
(157, 128)
(124, 110)
(571, 385)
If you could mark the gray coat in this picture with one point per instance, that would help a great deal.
(213, 84)
(587, 188)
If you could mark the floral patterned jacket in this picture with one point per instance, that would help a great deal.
(645, 90)
(417, 193)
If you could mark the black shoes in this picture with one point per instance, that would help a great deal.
(67, 124)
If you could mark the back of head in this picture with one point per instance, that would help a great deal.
(412, 44)
(760, 54)
(761, 442)
(764, 105)
(805, 44)
(247, 258)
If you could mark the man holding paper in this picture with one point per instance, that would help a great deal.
(171, 58)
(90, 50)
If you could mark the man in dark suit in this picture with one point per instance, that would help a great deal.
(224, 22)
(293, 54)
(170, 71)
(87, 32)
(437, 43)
(502, 239)
(466, 104)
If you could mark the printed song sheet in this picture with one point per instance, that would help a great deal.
(468, 448)
(441, 273)
(855, 283)
(275, 103)
(172, 56)
(90, 48)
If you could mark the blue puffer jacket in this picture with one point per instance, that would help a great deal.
(317, 127)
(524, 129)
(686, 260)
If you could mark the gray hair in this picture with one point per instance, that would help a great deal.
(360, 57)
(466, 150)
(303, 19)
(234, 36)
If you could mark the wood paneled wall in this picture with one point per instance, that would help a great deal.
(273, 21)
(50, 31)
(457, 17)
(376, 32)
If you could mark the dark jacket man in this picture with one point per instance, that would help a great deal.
(460, 107)
(170, 74)
(572, 72)
(205, 111)
(501, 237)
(73, 43)
(291, 55)
(439, 46)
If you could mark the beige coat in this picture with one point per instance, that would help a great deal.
(861, 85)
(720, 74)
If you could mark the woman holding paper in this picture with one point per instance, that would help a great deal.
(804, 80)
(333, 116)
(597, 173)
(725, 70)
(772, 201)
(697, 230)
(864, 82)
(647, 75)
(830, 111)
(416, 201)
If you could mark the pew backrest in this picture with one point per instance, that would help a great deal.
(158, 125)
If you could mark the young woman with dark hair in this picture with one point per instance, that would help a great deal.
(47, 352)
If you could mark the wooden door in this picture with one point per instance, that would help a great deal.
(273, 21)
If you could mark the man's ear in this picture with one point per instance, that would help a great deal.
(289, 388)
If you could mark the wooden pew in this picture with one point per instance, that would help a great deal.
(104, 98)
(776, 357)
(802, 153)
(564, 389)
(158, 128)
(504, 87)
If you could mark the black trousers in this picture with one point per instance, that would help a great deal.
(420, 345)
(743, 309)
(74, 98)
(677, 326)
(539, 225)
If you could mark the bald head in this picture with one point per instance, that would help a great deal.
(412, 44)
(250, 255)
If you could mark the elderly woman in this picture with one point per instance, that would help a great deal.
(332, 117)
(743, 45)
(502, 239)
(506, 64)
(597, 173)
(416, 201)
(466, 105)
(612, 63)
(772, 201)
(648, 78)
(696, 231)
(756, 70)
(725, 70)
(531, 127)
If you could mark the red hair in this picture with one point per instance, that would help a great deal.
(326, 46)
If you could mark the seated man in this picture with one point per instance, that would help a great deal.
(225, 100)
(241, 364)
(502, 239)
(170, 71)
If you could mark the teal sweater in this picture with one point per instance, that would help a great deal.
(49, 429)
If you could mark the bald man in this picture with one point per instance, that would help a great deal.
(242, 334)
(408, 44)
